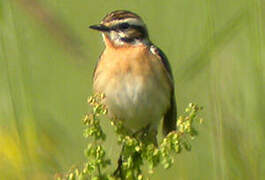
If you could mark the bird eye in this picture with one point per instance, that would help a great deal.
(124, 26)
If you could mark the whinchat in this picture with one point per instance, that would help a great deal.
(134, 75)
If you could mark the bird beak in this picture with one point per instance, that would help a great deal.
(100, 27)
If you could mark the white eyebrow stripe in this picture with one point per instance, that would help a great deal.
(134, 21)
(131, 21)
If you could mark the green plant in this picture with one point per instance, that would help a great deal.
(135, 153)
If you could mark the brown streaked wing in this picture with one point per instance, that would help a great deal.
(169, 119)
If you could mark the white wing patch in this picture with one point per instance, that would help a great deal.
(153, 50)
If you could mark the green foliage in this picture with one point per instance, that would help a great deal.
(135, 153)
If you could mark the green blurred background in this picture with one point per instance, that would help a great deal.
(47, 55)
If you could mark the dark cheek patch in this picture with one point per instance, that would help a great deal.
(141, 31)
(132, 35)
(128, 40)
(135, 34)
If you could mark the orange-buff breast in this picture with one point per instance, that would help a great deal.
(135, 84)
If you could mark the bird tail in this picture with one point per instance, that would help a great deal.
(169, 121)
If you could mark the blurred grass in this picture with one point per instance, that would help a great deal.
(217, 53)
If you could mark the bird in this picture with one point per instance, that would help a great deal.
(135, 76)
